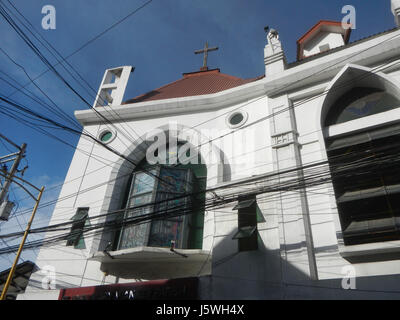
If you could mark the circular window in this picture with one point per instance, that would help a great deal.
(236, 119)
(106, 136)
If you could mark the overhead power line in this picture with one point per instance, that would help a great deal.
(311, 178)
(99, 35)
(36, 50)
(217, 138)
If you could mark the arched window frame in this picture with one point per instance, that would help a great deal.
(343, 82)
(218, 170)
(160, 191)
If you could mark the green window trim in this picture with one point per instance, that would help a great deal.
(244, 204)
(80, 222)
(106, 136)
(156, 232)
(195, 181)
(244, 232)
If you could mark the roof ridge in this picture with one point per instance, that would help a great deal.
(200, 73)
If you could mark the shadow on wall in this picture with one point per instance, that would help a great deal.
(264, 275)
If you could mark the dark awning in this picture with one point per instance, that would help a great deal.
(369, 193)
(244, 232)
(342, 142)
(20, 279)
(244, 204)
(81, 214)
(372, 226)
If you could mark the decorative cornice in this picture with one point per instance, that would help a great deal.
(157, 108)
(275, 57)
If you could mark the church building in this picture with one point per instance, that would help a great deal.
(283, 186)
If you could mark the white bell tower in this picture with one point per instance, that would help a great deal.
(113, 85)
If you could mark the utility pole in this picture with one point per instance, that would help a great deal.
(28, 228)
(10, 177)
(5, 205)
(13, 170)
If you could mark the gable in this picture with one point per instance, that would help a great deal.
(324, 36)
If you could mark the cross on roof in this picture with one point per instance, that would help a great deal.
(205, 51)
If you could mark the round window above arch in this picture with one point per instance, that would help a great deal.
(236, 119)
(106, 135)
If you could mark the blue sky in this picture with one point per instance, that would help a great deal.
(159, 42)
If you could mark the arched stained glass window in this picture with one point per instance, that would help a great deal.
(360, 102)
(158, 221)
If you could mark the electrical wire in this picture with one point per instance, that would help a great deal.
(174, 213)
(36, 50)
(386, 40)
(130, 14)
(100, 185)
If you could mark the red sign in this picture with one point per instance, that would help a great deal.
(175, 289)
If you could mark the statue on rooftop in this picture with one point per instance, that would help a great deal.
(273, 39)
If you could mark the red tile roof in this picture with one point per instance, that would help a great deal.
(194, 84)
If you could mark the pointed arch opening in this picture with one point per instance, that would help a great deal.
(361, 122)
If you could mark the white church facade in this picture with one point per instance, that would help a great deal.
(284, 186)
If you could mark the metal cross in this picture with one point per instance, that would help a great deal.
(205, 51)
